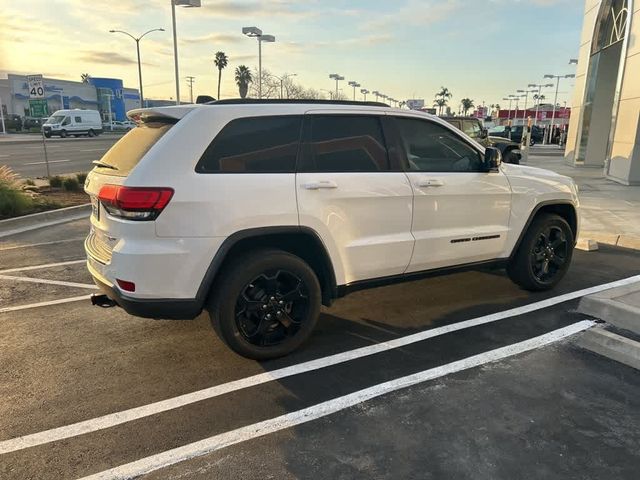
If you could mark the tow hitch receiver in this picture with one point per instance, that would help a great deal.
(101, 300)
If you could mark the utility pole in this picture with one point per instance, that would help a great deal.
(190, 81)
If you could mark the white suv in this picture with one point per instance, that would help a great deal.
(261, 211)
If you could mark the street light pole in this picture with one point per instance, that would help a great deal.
(376, 93)
(364, 92)
(181, 3)
(337, 78)
(190, 80)
(137, 40)
(282, 79)
(555, 100)
(255, 32)
(539, 87)
(355, 85)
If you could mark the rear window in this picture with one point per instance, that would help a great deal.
(130, 149)
(254, 145)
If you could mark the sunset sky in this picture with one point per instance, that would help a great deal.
(482, 49)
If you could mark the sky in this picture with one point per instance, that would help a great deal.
(479, 49)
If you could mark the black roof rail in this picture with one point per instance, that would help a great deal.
(244, 101)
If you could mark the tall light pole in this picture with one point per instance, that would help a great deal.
(539, 87)
(180, 3)
(255, 32)
(337, 77)
(555, 100)
(526, 100)
(137, 40)
(376, 93)
(282, 79)
(364, 92)
(510, 99)
(355, 85)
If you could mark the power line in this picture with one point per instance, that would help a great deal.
(190, 81)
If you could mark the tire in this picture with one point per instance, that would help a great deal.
(63, 134)
(265, 282)
(92, 133)
(532, 142)
(511, 157)
(47, 135)
(527, 267)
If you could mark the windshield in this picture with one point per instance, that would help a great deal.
(497, 129)
(55, 119)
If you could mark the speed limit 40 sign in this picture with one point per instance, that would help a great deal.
(36, 86)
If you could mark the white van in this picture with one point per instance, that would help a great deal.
(74, 122)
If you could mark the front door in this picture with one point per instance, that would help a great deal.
(461, 213)
(353, 197)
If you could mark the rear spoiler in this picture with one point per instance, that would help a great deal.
(170, 114)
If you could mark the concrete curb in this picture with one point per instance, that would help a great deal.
(611, 345)
(618, 240)
(26, 223)
(611, 307)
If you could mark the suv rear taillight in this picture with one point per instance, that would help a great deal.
(134, 203)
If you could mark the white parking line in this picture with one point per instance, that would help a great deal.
(94, 150)
(44, 304)
(42, 244)
(50, 161)
(124, 416)
(4, 156)
(46, 265)
(48, 282)
(233, 437)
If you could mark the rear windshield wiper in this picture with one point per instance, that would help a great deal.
(101, 164)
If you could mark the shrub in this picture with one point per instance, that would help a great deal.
(12, 200)
(81, 178)
(30, 182)
(70, 184)
(55, 181)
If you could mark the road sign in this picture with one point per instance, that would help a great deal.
(38, 108)
(415, 104)
(36, 86)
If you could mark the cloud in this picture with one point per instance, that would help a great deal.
(109, 58)
(214, 38)
(415, 13)
(252, 9)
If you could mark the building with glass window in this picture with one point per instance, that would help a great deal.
(604, 131)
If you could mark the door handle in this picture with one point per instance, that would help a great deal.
(431, 182)
(320, 184)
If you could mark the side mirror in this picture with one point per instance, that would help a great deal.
(492, 159)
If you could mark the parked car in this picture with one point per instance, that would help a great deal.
(74, 122)
(277, 207)
(473, 128)
(515, 133)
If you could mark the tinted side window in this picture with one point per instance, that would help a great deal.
(346, 143)
(78, 119)
(256, 144)
(432, 148)
(471, 128)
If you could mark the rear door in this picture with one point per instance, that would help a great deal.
(354, 196)
(461, 213)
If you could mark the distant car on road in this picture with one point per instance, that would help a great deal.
(119, 126)
(473, 128)
(74, 122)
(537, 133)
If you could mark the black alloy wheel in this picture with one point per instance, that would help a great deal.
(549, 254)
(270, 309)
(265, 304)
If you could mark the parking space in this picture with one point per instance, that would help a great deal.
(208, 413)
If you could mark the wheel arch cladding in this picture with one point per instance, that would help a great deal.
(299, 241)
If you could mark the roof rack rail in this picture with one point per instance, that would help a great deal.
(241, 101)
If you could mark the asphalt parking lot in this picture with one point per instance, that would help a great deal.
(463, 376)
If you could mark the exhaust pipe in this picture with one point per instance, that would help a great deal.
(101, 300)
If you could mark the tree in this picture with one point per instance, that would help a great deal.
(467, 104)
(442, 98)
(243, 79)
(85, 77)
(539, 98)
(440, 103)
(220, 62)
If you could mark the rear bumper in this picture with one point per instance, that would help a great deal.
(173, 309)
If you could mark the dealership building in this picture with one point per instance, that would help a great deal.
(604, 131)
(107, 95)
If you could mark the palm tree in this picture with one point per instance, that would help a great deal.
(442, 98)
(85, 77)
(220, 62)
(243, 79)
(440, 103)
(467, 104)
(539, 98)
